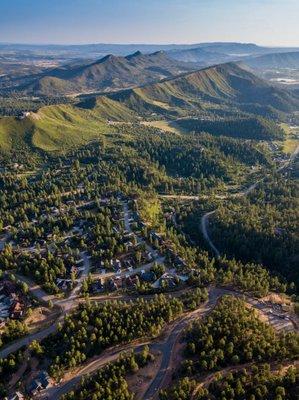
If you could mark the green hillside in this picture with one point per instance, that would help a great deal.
(52, 128)
(218, 87)
(108, 109)
(220, 93)
(14, 133)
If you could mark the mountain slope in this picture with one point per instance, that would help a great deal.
(214, 87)
(108, 109)
(221, 93)
(108, 73)
(52, 128)
(274, 61)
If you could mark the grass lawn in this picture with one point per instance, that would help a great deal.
(167, 126)
(292, 138)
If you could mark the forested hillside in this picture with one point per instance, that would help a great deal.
(246, 128)
(262, 227)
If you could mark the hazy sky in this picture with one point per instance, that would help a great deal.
(270, 22)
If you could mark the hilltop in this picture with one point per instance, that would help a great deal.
(109, 73)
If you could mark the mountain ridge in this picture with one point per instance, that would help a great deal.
(108, 73)
(219, 84)
(213, 93)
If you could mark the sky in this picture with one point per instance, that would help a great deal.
(265, 22)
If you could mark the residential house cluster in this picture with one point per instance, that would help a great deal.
(73, 271)
(166, 245)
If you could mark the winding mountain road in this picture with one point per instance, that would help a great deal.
(165, 346)
(204, 229)
(205, 218)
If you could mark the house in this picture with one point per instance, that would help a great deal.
(149, 256)
(35, 387)
(129, 263)
(179, 262)
(168, 280)
(131, 281)
(142, 225)
(16, 310)
(44, 378)
(24, 115)
(64, 284)
(170, 253)
(111, 285)
(148, 276)
(97, 287)
(156, 236)
(8, 288)
(42, 381)
(117, 266)
(114, 284)
(102, 271)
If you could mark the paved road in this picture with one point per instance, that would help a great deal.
(158, 259)
(145, 267)
(165, 346)
(67, 305)
(86, 264)
(36, 290)
(25, 341)
(55, 392)
(204, 229)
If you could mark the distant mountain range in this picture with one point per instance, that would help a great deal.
(101, 49)
(200, 55)
(107, 74)
(274, 61)
(25, 68)
(254, 56)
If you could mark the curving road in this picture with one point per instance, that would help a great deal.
(204, 229)
(205, 217)
(168, 345)
(165, 346)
